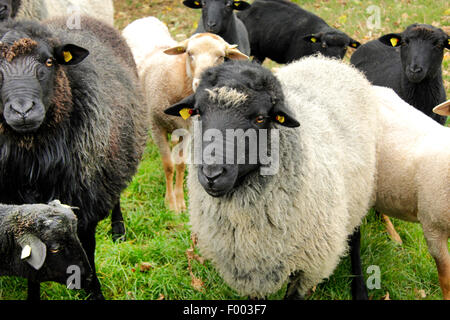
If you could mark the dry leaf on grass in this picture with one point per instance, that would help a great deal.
(161, 297)
(145, 266)
(196, 283)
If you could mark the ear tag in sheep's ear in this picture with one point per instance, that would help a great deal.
(354, 45)
(26, 252)
(67, 56)
(280, 119)
(394, 41)
(313, 39)
(33, 251)
(185, 113)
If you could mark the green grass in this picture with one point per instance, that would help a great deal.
(160, 237)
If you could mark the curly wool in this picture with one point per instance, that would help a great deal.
(299, 219)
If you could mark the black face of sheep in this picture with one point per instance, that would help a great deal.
(236, 102)
(48, 248)
(421, 49)
(28, 70)
(216, 14)
(331, 44)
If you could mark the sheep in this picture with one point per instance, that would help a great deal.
(39, 242)
(413, 171)
(45, 9)
(410, 63)
(177, 69)
(443, 109)
(219, 18)
(284, 32)
(73, 125)
(261, 226)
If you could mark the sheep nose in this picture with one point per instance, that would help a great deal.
(21, 107)
(415, 69)
(212, 172)
(211, 24)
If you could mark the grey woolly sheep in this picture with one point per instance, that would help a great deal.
(262, 230)
(39, 242)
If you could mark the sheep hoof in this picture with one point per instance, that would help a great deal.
(118, 231)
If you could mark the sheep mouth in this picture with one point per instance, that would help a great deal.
(415, 77)
(26, 127)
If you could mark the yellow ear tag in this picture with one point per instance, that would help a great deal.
(354, 45)
(180, 49)
(280, 119)
(196, 3)
(237, 3)
(67, 56)
(185, 113)
(394, 42)
(313, 40)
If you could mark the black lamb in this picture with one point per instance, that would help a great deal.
(410, 63)
(283, 32)
(73, 124)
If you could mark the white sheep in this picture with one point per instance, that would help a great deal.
(294, 223)
(414, 174)
(46, 9)
(169, 74)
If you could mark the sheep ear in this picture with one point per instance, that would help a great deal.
(33, 251)
(70, 54)
(233, 53)
(184, 108)
(193, 4)
(240, 5)
(179, 49)
(282, 116)
(443, 109)
(354, 44)
(391, 39)
(312, 38)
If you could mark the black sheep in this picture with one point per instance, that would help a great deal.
(410, 63)
(284, 32)
(73, 124)
(219, 18)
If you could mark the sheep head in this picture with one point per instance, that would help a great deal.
(204, 50)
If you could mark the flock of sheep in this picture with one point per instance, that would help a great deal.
(76, 106)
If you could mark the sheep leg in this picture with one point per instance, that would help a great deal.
(179, 180)
(87, 239)
(117, 224)
(34, 291)
(160, 138)
(292, 292)
(438, 247)
(359, 289)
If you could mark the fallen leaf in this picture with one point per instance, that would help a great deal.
(161, 297)
(145, 266)
(386, 296)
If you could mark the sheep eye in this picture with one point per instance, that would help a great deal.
(260, 119)
(54, 248)
(49, 62)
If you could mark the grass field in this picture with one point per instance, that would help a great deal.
(152, 262)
